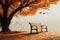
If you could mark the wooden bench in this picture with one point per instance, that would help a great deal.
(34, 26)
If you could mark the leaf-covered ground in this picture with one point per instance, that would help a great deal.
(27, 36)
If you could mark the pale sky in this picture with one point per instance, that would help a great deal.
(51, 19)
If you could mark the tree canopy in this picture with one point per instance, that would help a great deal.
(31, 6)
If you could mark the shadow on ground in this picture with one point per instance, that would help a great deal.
(28, 36)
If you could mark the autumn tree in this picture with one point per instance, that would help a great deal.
(9, 8)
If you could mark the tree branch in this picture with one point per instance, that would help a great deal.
(6, 1)
(33, 2)
(5, 8)
(14, 12)
(11, 2)
(1, 2)
(27, 1)
(1, 17)
(24, 1)
(19, 8)
(30, 3)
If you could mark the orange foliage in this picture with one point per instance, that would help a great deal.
(45, 4)
(31, 9)
(54, 1)
(28, 11)
(1, 11)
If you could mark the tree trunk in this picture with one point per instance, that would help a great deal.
(5, 25)
(5, 29)
(5, 22)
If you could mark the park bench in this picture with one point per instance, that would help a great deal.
(35, 26)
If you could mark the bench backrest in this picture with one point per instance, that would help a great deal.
(35, 24)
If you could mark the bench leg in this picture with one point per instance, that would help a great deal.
(31, 30)
(46, 29)
(34, 29)
(41, 29)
